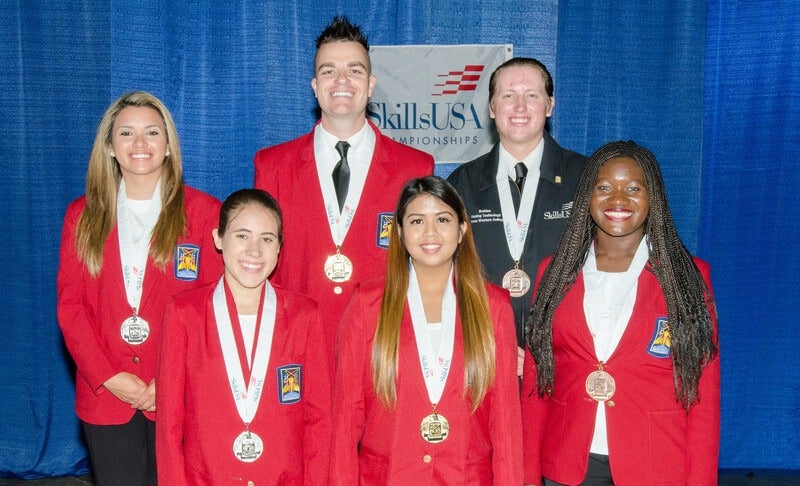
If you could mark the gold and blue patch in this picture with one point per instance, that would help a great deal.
(385, 221)
(290, 383)
(187, 261)
(660, 343)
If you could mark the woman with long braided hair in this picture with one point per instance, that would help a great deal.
(621, 380)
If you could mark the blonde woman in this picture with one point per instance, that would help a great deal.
(138, 236)
(426, 389)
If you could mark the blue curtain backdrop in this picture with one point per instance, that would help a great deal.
(751, 224)
(708, 86)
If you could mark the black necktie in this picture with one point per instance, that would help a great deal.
(341, 173)
(521, 171)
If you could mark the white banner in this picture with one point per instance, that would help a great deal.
(436, 98)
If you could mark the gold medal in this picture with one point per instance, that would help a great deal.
(338, 267)
(134, 330)
(434, 428)
(248, 446)
(517, 282)
(600, 385)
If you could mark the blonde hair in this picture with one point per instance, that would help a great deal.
(102, 183)
(472, 299)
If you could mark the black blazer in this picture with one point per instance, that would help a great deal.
(476, 181)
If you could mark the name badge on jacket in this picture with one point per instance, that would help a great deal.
(187, 261)
(290, 383)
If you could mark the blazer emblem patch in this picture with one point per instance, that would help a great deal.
(187, 261)
(385, 221)
(290, 379)
(660, 343)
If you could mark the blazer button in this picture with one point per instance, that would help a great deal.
(250, 483)
(135, 359)
(426, 459)
(610, 403)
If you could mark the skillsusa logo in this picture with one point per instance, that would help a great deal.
(455, 81)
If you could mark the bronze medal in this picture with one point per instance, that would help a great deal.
(600, 385)
(248, 446)
(134, 330)
(434, 428)
(517, 282)
(338, 268)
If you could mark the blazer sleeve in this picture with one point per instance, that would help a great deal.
(265, 176)
(534, 409)
(317, 408)
(352, 360)
(75, 316)
(171, 379)
(170, 399)
(505, 418)
(534, 413)
(704, 416)
(204, 218)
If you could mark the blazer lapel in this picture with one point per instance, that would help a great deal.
(647, 291)
(455, 383)
(279, 333)
(112, 263)
(576, 319)
(377, 173)
(153, 277)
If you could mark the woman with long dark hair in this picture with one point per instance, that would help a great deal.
(426, 386)
(623, 387)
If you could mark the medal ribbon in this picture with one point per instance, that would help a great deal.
(246, 394)
(515, 226)
(339, 221)
(244, 361)
(435, 363)
(132, 252)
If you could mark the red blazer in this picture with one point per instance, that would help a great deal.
(651, 438)
(288, 171)
(91, 310)
(373, 445)
(197, 418)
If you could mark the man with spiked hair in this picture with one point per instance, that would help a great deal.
(338, 184)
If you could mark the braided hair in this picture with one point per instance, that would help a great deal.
(690, 303)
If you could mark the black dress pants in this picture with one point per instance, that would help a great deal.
(598, 474)
(124, 454)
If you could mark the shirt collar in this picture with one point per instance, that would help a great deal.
(532, 160)
(357, 142)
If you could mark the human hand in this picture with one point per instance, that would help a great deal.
(520, 360)
(147, 400)
(126, 386)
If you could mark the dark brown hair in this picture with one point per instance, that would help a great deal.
(689, 300)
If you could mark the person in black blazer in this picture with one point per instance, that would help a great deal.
(526, 169)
